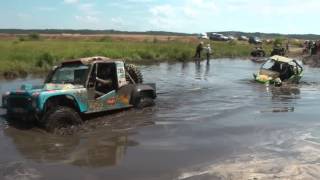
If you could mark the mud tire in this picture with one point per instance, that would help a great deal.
(135, 74)
(60, 118)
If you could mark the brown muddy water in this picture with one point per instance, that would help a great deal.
(209, 122)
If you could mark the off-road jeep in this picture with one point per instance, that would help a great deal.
(279, 69)
(77, 87)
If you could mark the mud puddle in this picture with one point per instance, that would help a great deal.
(210, 122)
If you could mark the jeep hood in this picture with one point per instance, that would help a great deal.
(50, 87)
(28, 89)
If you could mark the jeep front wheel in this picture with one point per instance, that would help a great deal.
(60, 118)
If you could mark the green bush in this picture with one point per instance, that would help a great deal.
(21, 38)
(278, 42)
(34, 36)
(41, 55)
(155, 40)
(105, 39)
(45, 60)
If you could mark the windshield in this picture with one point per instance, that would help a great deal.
(268, 65)
(70, 74)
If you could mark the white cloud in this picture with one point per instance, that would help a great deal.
(48, 9)
(24, 16)
(188, 11)
(88, 8)
(87, 19)
(71, 1)
(163, 17)
(163, 10)
(140, 1)
(178, 17)
(87, 14)
(118, 22)
(285, 7)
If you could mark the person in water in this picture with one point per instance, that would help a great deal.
(208, 51)
(199, 50)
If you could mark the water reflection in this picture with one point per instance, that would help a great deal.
(286, 93)
(198, 70)
(98, 150)
(204, 114)
(283, 99)
(199, 74)
(184, 66)
(207, 71)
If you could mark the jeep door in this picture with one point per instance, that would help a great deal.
(102, 87)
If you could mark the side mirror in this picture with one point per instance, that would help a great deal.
(54, 68)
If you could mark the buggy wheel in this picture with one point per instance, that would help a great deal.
(60, 117)
(142, 102)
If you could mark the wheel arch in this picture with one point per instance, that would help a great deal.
(61, 100)
(146, 90)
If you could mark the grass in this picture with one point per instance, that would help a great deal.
(40, 55)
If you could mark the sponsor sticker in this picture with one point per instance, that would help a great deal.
(111, 101)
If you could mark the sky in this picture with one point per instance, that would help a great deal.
(189, 16)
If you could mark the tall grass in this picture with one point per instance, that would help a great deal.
(34, 56)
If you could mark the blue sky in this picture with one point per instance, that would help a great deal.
(191, 16)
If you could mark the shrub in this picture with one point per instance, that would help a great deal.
(105, 39)
(45, 60)
(34, 36)
(21, 38)
(278, 41)
(155, 40)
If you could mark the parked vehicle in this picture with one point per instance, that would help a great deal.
(279, 69)
(243, 38)
(218, 37)
(255, 40)
(231, 38)
(77, 87)
(258, 52)
(203, 36)
(278, 50)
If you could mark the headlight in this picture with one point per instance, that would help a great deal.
(5, 99)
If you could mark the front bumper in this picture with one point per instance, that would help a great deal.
(25, 116)
(21, 108)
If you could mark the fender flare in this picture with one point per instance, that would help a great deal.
(68, 96)
(143, 90)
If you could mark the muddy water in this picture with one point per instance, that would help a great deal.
(209, 122)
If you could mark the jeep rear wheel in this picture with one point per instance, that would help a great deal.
(142, 102)
(133, 74)
(61, 118)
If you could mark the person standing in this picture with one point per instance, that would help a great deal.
(314, 48)
(318, 47)
(287, 46)
(198, 51)
(208, 52)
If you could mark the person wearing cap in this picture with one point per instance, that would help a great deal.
(198, 50)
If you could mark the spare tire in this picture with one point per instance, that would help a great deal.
(133, 74)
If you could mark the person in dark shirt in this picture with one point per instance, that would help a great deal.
(198, 50)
